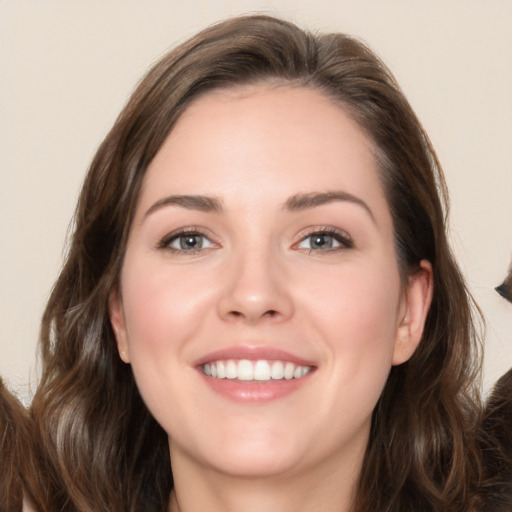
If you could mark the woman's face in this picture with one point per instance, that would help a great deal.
(261, 305)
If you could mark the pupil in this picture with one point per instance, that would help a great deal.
(190, 242)
(322, 241)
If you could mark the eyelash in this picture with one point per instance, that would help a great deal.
(167, 240)
(339, 236)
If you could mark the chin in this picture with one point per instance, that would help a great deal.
(257, 464)
(257, 452)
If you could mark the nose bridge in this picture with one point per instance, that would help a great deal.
(256, 287)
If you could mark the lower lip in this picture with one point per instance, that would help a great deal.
(254, 391)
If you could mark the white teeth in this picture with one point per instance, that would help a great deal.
(245, 370)
(288, 371)
(231, 371)
(221, 370)
(277, 371)
(261, 370)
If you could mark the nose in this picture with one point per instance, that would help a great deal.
(255, 291)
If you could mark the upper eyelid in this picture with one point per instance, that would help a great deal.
(192, 230)
(328, 230)
(344, 238)
(303, 234)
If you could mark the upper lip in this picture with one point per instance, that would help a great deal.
(252, 353)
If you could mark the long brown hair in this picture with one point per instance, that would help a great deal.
(495, 439)
(19, 470)
(11, 421)
(102, 448)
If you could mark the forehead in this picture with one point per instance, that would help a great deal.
(266, 139)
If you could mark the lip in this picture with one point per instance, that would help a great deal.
(253, 392)
(252, 353)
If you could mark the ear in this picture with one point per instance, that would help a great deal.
(117, 320)
(418, 297)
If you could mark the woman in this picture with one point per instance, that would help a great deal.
(11, 420)
(259, 308)
(20, 488)
(495, 435)
(496, 443)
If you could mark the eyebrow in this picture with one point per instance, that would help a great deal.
(300, 202)
(190, 202)
(297, 202)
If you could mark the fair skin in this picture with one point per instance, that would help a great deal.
(288, 257)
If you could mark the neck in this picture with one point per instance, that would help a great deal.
(327, 487)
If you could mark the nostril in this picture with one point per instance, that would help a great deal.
(238, 314)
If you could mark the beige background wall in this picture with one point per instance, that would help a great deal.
(66, 68)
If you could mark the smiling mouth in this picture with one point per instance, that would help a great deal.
(257, 371)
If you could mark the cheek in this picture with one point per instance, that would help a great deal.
(355, 312)
(356, 302)
(162, 306)
(164, 311)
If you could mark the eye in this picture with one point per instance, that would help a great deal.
(186, 242)
(325, 240)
